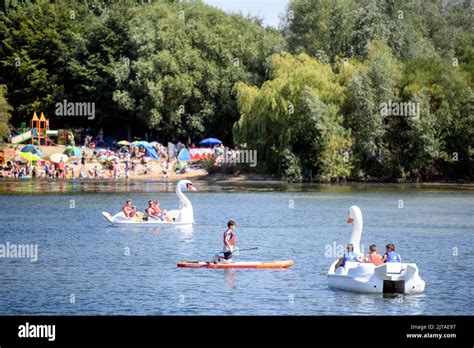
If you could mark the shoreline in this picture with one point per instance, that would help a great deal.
(272, 179)
(229, 179)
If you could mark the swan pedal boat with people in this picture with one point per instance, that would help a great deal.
(181, 217)
(389, 277)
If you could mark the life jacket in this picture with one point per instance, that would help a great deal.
(376, 259)
(232, 238)
(351, 257)
(393, 257)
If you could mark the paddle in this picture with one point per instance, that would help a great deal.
(237, 250)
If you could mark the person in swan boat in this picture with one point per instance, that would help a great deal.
(131, 212)
(390, 254)
(157, 213)
(348, 256)
(373, 256)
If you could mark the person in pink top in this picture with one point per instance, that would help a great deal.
(61, 166)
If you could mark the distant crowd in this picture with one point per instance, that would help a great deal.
(118, 161)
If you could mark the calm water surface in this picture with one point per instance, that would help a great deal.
(83, 260)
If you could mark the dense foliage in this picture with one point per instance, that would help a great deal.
(5, 109)
(309, 97)
(166, 68)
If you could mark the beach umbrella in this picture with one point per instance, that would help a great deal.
(10, 153)
(72, 151)
(124, 142)
(29, 148)
(30, 157)
(210, 142)
(143, 143)
(56, 158)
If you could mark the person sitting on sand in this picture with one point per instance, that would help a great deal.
(390, 254)
(373, 256)
(349, 256)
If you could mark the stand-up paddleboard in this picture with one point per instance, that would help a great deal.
(254, 264)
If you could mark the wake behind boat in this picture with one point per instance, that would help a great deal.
(181, 217)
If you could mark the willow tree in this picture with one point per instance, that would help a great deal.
(293, 120)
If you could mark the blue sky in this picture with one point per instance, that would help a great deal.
(269, 10)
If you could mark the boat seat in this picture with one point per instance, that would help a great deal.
(394, 267)
(351, 264)
(362, 270)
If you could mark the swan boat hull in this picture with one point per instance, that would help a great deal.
(181, 217)
(120, 220)
(366, 278)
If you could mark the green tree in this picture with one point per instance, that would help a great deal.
(5, 109)
(368, 90)
(293, 120)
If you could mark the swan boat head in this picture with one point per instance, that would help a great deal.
(355, 218)
(186, 212)
(185, 184)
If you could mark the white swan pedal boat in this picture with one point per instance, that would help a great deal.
(181, 217)
(390, 277)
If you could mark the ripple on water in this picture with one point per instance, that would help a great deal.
(80, 255)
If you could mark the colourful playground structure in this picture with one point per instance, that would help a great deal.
(39, 133)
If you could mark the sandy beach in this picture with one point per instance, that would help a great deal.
(153, 165)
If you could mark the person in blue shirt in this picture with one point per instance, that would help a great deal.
(390, 254)
(348, 256)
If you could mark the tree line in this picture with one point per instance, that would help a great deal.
(344, 89)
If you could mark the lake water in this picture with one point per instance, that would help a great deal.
(86, 267)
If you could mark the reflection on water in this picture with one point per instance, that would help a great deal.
(229, 276)
(41, 186)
